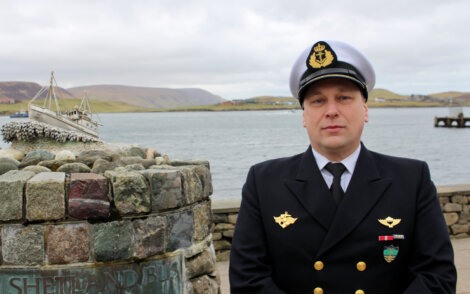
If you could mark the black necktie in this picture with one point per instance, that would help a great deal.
(336, 169)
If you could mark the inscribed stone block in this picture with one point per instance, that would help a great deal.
(149, 236)
(88, 196)
(130, 191)
(45, 196)
(112, 241)
(68, 244)
(202, 220)
(11, 194)
(180, 226)
(23, 245)
(166, 188)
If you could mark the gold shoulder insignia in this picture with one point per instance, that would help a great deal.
(390, 221)
(285, 220)
(320, 56)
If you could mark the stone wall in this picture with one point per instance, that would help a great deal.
(129, 229)
(454, 199)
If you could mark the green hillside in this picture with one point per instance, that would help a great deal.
(385, 94)
(450, 94)
(65, 104)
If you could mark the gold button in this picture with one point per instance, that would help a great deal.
(361, 266)
(318, 265)
(359, 292)
(318, 290)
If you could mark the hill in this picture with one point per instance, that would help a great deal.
(68, 104)
(21, 91)
(148, 97)
(449, 94)
(385, 94)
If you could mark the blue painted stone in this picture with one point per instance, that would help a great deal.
(160, 276)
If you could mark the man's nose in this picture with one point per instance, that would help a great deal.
(331, 109)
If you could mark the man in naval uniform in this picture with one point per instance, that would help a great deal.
(339, 218)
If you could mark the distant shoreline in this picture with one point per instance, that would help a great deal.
(109, 107)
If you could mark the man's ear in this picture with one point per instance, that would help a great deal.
(366, 113)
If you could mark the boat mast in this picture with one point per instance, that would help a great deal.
(51, 94)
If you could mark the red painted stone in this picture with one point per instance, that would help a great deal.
(88, 196)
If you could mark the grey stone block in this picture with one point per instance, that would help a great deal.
(205, 285)
(112, 241)
(130, 191)
(12, 186)
(23, 245)
(166, 188)
(45, 196)
(201, 264)
(149, 236)
(180, 230)
(202, 220)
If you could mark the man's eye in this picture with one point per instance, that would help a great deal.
(318, 101)
(344, 98)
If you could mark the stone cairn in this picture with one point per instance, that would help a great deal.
(121, 221)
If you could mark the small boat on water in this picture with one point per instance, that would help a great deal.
(19, 114)
(79, 119)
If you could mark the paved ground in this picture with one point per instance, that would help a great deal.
(462, 261)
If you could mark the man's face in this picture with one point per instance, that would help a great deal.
(334, 116)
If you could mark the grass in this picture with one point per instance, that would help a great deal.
(109, 107)
(67, 104)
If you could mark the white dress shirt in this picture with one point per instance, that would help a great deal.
(349, 162)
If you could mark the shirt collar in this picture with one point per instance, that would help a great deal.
(349, 162)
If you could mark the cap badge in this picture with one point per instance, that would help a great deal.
(285, 220)
(321, 55)
(390, 253)
(390, 221)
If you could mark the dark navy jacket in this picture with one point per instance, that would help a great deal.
(326, 245)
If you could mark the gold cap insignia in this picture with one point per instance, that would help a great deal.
(285, 220)
(390, 221)
(321, 55)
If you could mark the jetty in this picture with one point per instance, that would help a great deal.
(455, 119)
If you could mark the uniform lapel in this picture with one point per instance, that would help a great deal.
(364, 190)
(312, 192)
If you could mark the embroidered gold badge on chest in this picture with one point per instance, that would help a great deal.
(285, 220)
(390, 221)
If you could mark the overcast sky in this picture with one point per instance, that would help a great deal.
(235, 49)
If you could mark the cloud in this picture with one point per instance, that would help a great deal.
(236, 49)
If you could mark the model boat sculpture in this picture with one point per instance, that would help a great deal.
(80, 119)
